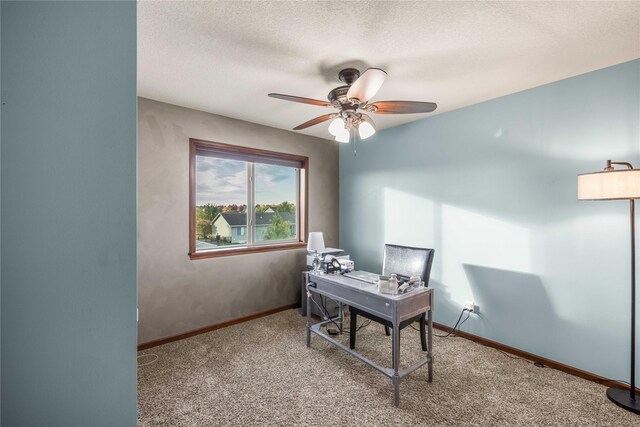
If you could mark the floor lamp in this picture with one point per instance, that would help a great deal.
(621, 184)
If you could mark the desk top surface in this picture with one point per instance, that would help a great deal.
(364, 286)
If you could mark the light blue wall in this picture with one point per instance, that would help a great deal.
(0, 216)
(68, 213)
(492, 187)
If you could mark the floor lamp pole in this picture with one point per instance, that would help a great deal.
(632, 382)
(616, 395)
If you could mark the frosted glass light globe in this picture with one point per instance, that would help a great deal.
(336, 127)
(343, 136)
(365, 130)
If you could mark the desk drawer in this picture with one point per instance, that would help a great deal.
(374, 305)
(417, 304)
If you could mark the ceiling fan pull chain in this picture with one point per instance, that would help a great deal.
(352, 130)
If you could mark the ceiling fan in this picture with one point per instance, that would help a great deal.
(353, 97)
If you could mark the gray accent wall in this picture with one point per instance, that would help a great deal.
(492, 187)
(68, 306)
(177, 294)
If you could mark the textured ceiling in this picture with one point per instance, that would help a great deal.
(224, 57)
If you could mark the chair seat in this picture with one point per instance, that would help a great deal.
(354, 313)
(382, 321)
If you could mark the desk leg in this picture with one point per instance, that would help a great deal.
(341, 317)
(308, 317)
(430, 344)
(395, 356)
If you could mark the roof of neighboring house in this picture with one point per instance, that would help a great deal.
(267, 217)
(235, 219)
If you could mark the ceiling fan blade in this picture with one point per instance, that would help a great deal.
(302, 100)
(367, 85)
(315, 121)
(401, 107)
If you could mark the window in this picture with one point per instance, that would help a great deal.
(245, 200)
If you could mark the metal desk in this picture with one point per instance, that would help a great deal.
(395, 308)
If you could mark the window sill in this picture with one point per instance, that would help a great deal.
(246, 250)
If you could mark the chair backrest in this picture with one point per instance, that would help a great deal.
(408, 261)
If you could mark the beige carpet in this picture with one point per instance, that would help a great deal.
(261, 373)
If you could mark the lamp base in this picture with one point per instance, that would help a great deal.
(622, 399)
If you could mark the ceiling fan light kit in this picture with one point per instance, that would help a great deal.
(353, 96)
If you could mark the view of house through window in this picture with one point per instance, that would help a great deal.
(227, 183)
(276, 200)
(221, 202)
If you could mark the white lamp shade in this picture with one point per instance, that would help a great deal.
(316, 242)
(336, 126)
(609, 185)
(367, 85)
(343, 136)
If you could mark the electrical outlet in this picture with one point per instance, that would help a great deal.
(472, 307)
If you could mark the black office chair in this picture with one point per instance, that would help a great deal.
(404, 261)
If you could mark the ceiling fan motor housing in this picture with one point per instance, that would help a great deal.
(348, 75)
(338, 95)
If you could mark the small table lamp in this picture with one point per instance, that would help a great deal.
(315, 244)
(623, 184)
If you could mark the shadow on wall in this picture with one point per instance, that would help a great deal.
(516, 310)
(443, 303)
(517, 305)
